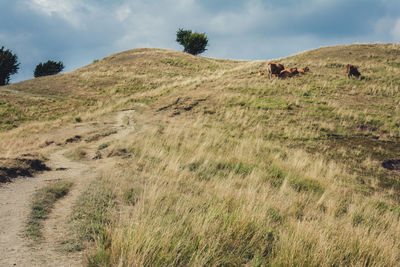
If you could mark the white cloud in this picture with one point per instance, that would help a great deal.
(123, 12)
(58, 8)
(53, 6)
(239, 22)
(72, 11)
(395, 32)
(386, 29)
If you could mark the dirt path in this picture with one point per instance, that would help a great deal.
(15, 199)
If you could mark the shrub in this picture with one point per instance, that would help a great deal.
(48, 68)
(193, 43)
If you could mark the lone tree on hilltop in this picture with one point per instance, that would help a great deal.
(8, 65)
(48, 68)
(193, 43)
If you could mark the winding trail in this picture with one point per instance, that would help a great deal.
(15, 199)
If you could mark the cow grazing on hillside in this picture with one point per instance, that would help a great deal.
(274, 68)
(352, 70)
(261, 73)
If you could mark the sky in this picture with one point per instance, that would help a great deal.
(77, 32)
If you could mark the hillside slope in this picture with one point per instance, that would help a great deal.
(224, 167)
(51, 97)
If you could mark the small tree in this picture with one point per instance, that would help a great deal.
(193, 43)
(48, 68)
(8, 65)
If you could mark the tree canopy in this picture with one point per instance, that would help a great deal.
(48, 68)
(193, 43)
(8, 65)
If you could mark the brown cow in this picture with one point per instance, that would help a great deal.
(274, 68)
(261, 73)
(352, 70)
(293, 71)
(285, 74)
(303, 70)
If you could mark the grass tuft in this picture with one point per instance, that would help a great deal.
(306, 185)
(42, 204)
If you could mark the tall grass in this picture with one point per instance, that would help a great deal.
(202, 197)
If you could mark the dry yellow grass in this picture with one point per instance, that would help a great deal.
(205, 201)
(229, 168)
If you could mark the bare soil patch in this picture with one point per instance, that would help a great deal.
(391, 164)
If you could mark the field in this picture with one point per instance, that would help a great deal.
(222, 166)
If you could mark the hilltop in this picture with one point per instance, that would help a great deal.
(219, 165)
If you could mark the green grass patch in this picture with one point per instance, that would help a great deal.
(358, 219)
(274, 215)
(275, 176)
(91, 216)
(206, 171)
(175, 62)
(103, 146)
(265, 103)
(394, 64)
(42, 204)
(334, 65)
(306, 185)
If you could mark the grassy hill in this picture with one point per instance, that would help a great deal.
(225, 167)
